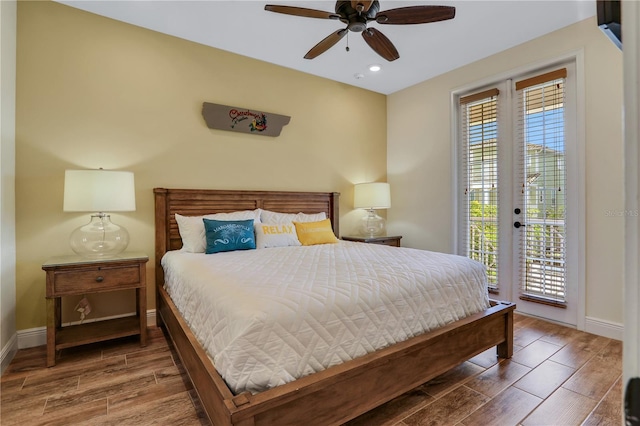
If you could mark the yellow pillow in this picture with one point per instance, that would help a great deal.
(310, 233)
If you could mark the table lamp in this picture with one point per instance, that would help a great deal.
(372, 196)
(99, 191)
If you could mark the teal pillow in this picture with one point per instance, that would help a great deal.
(229, 235)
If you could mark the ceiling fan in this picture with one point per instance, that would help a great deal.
(357, 13)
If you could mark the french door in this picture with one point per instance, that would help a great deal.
(518, 190)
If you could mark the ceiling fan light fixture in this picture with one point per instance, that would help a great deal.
(357, 26)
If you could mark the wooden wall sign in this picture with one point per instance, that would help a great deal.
(225, 117)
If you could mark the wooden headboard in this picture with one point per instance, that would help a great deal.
(196, 202)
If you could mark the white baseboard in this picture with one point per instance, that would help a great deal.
(608, 329)
(8, 352)
(32, 337)
(38, 336)
(612, 330)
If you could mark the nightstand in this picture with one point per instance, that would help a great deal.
(74, 276)
(387, 241)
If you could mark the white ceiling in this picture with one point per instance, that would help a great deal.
(480, 29)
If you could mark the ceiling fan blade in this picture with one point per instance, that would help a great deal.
(415, 15)
(366, 4)
(325, 44)
(380, 44)
(301, 11)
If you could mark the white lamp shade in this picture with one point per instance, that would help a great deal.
(99, 191)
(373, 195)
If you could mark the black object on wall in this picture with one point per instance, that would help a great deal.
(632, 402)
(610, 20)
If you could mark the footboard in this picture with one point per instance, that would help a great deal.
(343, 392)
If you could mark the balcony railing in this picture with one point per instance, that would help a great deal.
(483, 245)
(542, 250)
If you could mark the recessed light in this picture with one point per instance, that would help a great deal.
(375, 68)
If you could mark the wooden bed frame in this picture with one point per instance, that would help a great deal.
(332, 396)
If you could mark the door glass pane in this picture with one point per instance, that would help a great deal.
(543, 191)
(481, 192)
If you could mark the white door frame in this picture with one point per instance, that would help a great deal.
(577, 57)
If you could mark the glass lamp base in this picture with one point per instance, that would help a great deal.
(99, 238)
(373, 225)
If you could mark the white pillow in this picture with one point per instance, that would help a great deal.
(275, 235)
(191, 228)
(279, 218)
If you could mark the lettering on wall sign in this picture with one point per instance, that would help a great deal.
(235, 119)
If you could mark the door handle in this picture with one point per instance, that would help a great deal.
(518, 224)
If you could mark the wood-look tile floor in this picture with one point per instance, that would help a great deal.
(557, 376)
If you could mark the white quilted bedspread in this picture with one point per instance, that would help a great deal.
(269, 316)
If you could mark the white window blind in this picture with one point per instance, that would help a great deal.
(479, 180)
(541, 141)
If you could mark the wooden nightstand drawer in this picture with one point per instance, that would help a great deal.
(95, 280)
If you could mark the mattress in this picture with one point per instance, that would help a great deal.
(267, 317)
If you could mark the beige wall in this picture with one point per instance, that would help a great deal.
(419, 156)
(7, 180)
(93, 92)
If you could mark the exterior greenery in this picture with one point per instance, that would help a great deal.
(483, 237)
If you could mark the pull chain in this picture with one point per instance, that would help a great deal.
(347, 49)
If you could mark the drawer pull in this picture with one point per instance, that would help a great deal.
(99, 279)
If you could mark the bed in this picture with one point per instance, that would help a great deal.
(336, 394)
